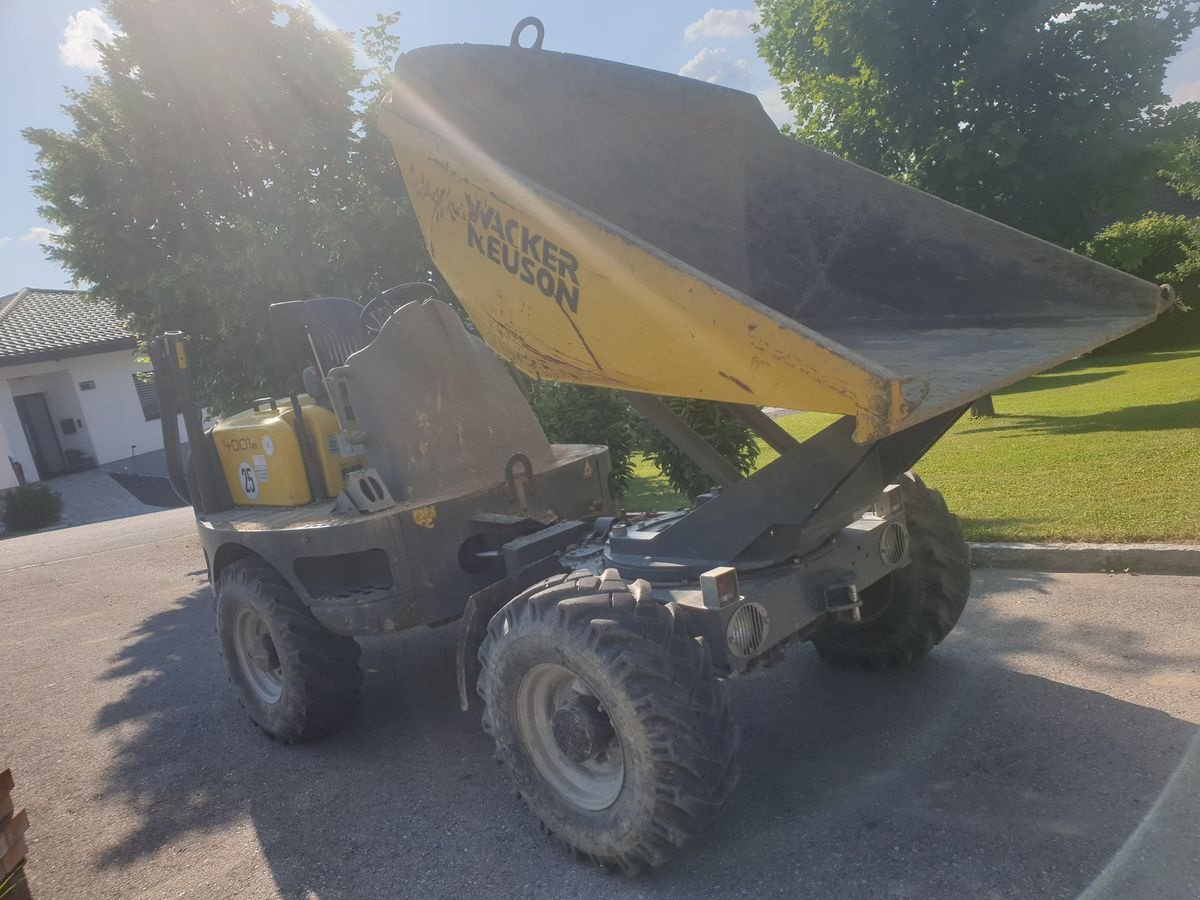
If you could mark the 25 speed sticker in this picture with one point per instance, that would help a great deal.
(248, 481)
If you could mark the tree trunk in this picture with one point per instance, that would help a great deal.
(983, 408)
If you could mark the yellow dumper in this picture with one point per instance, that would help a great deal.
(612, 226)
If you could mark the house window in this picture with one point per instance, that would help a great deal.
(147, 391)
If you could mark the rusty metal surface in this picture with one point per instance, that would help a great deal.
(323, 513)
(700, 172)
(436, 407)
(423, 539)
(472, 629)
(906, 289)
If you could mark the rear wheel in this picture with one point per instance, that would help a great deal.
(297, 680)
(908, 612)
(609, 718)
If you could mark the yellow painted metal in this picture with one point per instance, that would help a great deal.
(335, 455)
(261, 458)
(564, 295)
(626, 228)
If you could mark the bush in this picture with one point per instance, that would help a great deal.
(574, 414)
(1160, 249)
(717, 425)
(29, 507)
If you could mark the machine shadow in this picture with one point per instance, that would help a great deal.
(1151, 417)
(1051, 380)
(1101, 361)
(958, 777)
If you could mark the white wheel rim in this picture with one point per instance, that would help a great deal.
(257, 657)
(592, 784)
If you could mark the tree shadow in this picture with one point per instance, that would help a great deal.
(1125, 359)
(1053, 380)
(168, 726)
(959, 777)
(1152, 417)
(1104, 647)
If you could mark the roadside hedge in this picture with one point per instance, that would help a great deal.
(29, 507)
(1161, 249)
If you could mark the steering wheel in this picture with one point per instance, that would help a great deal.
(380, 308)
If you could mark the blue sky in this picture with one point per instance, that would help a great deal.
(45, 47)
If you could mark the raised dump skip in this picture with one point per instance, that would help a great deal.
(617, 226)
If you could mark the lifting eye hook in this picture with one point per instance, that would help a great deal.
(540, 29)
(518, 481)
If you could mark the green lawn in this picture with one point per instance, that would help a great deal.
(1102, 449)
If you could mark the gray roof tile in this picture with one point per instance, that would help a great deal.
(38, 324)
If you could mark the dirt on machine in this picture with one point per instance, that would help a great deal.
(613, 226)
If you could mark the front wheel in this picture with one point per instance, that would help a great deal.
(909, 611)
(297, 680)
(609, 718)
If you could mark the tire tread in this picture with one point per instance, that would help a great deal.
(693, 740)
(326, 677)
(936, 584)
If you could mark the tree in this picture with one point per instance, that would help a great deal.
(1161, 249)
(1182, 170)
(714, 422)
(228, 157)
(983, 408)
(224, 160)
(578, 414)
(1038, 113)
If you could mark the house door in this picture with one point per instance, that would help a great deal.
(40, 433)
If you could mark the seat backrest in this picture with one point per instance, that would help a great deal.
(439, 413)
(334, 324)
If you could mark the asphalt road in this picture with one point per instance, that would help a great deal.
(1049, 747)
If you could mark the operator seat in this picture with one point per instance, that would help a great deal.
(334, 323)
(439, 413)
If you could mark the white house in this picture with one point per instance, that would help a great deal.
(73, 394)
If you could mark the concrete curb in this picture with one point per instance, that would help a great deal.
(1143, 559)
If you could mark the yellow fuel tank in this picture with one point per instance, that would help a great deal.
(260, 454)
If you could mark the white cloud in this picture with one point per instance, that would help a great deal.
(772, 100)
(716, 66)
(1187, 92)
(1183, 75)
(722, 24)
(78, 49)
(38, 233)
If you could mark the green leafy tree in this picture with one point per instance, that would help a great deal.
(1161, 249)
(576, 414)
(718, 426)
(572, 413)
(1039, 113)
(1182, 171)
(225, 159)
